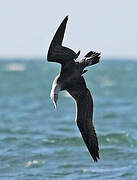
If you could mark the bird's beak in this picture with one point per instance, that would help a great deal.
(55, 99)
(54, 94)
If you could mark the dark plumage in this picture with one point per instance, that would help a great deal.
(71, 80)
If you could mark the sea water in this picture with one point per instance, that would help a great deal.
(39, 143)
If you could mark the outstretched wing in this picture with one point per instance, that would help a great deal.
(58, 53)
(84, 104)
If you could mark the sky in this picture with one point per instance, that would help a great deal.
(107, 26)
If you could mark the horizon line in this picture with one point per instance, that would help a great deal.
(44, 58)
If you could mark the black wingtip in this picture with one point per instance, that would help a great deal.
(58, 37)
(96, 158)
(67, 17)
(95, 155)
(94, 151)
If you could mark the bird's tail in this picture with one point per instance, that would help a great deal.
(92, 58)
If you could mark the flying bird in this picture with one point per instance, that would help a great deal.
(71, 79)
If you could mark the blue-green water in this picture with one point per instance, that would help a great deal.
(38, 143)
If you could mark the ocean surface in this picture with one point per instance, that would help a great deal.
(39, 143)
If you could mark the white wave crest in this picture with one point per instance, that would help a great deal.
(15, 67)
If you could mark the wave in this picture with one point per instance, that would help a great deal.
(35, 163)
(14, 67)
(121, 139)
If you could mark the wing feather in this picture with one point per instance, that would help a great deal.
(57, 52)
(84, 116)
(61, 54)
